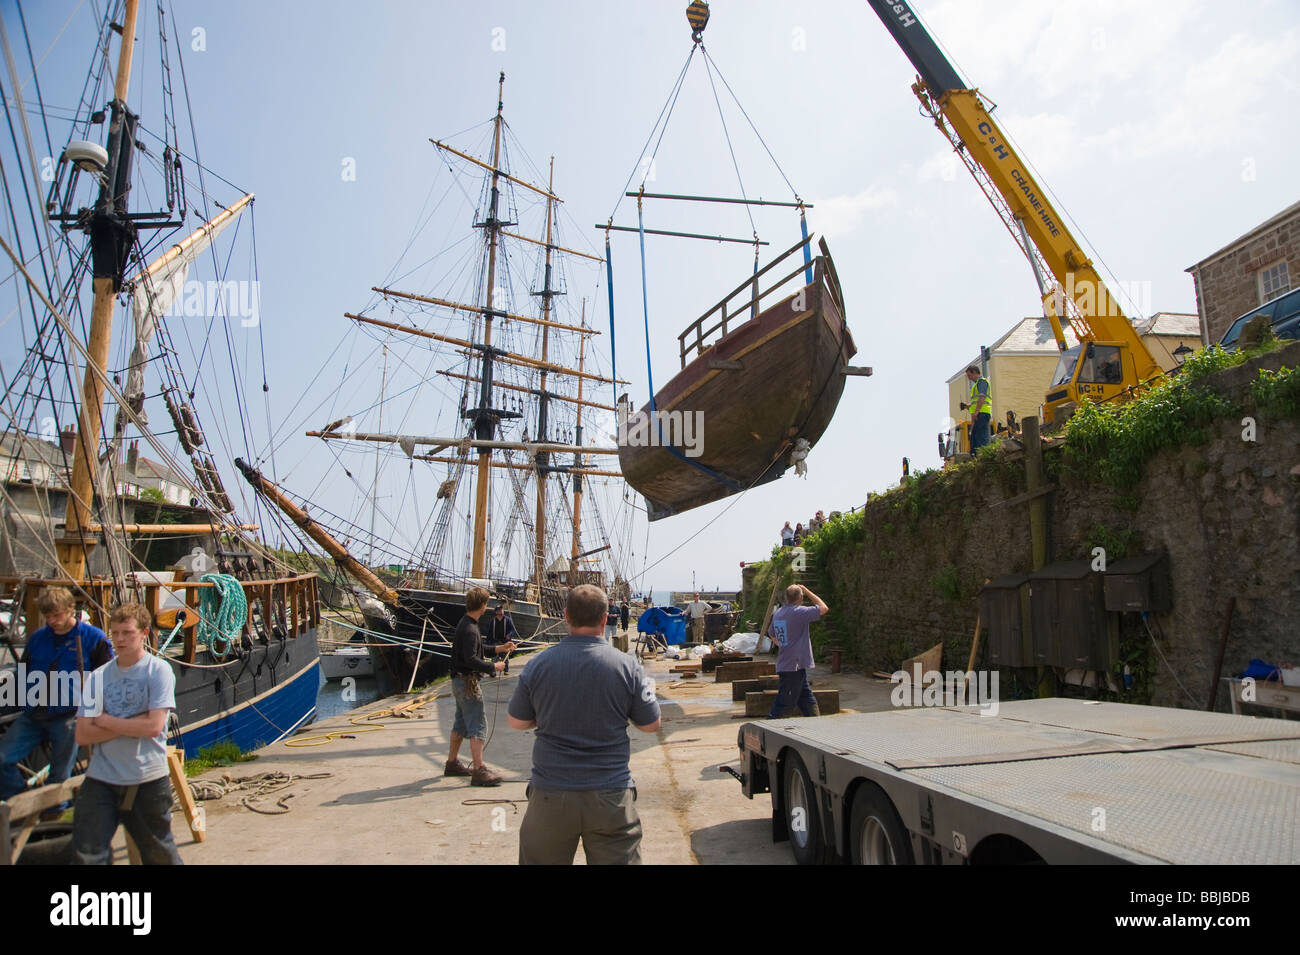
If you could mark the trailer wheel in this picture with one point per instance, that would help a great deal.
(876, 834)
(801, 818)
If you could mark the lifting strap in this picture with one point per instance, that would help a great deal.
(645, 312)
(613, 352)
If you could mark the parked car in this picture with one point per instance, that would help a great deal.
(1283, 314)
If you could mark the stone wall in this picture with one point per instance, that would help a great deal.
(1228, 286)
(1226, 512)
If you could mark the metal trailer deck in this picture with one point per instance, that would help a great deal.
(1055, 780)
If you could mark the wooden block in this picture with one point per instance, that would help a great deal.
(711, 661)
(929, 660)
(132, 850)
(745, 671)
(740, 687)
(35, 801)
(194, 818)
(760, 703)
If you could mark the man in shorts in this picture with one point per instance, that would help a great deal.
(468, 664)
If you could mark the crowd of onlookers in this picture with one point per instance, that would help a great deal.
(794, 536)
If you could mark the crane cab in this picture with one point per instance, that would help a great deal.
(1096, 371)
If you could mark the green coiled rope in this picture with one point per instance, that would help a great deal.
(223, 611)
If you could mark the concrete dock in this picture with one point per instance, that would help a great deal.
(386, 800)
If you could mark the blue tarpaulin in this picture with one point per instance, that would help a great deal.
(667, 622)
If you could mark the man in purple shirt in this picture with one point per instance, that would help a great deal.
(793, 661)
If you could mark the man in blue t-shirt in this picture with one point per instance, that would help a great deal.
(124, 716)
(795, 658)
(580, 695)
(63, 646)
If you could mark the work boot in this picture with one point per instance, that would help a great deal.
(482, 776)
(456, 768)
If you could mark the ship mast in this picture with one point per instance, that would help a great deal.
(484, 416)
(112, 235)
(577, 463)
(547, 293)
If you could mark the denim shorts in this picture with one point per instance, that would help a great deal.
(471, 719)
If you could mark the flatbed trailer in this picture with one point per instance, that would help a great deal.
(1042, 781)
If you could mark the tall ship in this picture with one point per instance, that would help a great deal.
(471, 440)
(129, 374)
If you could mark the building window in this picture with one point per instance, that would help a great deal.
(1273, 281)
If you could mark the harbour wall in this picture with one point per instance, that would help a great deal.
(904, 572)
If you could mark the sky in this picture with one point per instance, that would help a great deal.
(1164, 130)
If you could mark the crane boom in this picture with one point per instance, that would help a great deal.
(1115, 361)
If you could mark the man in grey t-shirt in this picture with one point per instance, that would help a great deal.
(124, 716)
(696, 610)
(580, 695)
(795, 658)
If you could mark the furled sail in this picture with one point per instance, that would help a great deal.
(153, 294)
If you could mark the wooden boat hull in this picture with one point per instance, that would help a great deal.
(252, 702)
(347, 661)
(256, 698)
(788, 385)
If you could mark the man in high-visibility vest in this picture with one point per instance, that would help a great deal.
(981, 408)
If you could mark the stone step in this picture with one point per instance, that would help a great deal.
(760, 704)
(740, 687)
(744, 671)
(711, 661)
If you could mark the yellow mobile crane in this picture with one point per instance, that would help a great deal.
(1110, 362)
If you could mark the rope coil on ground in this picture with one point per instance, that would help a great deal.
(255, 787)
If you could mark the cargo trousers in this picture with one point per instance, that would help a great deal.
(145, 811)
(605, 819)
(793, 690)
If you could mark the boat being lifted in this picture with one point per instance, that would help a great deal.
(762, 371)
(752, 397)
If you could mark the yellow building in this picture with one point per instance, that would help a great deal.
(1022, 361)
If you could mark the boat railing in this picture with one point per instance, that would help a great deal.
(289, 603)
(747, 297)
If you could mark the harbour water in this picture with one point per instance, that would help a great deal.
(337, 697)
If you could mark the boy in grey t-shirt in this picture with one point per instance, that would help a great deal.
(124, 716)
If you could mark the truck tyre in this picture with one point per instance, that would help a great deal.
(876, 834)
(802, 820)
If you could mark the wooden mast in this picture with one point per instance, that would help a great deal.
(539, 526)
(484, 419)
(76, 544)
(577, 463)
